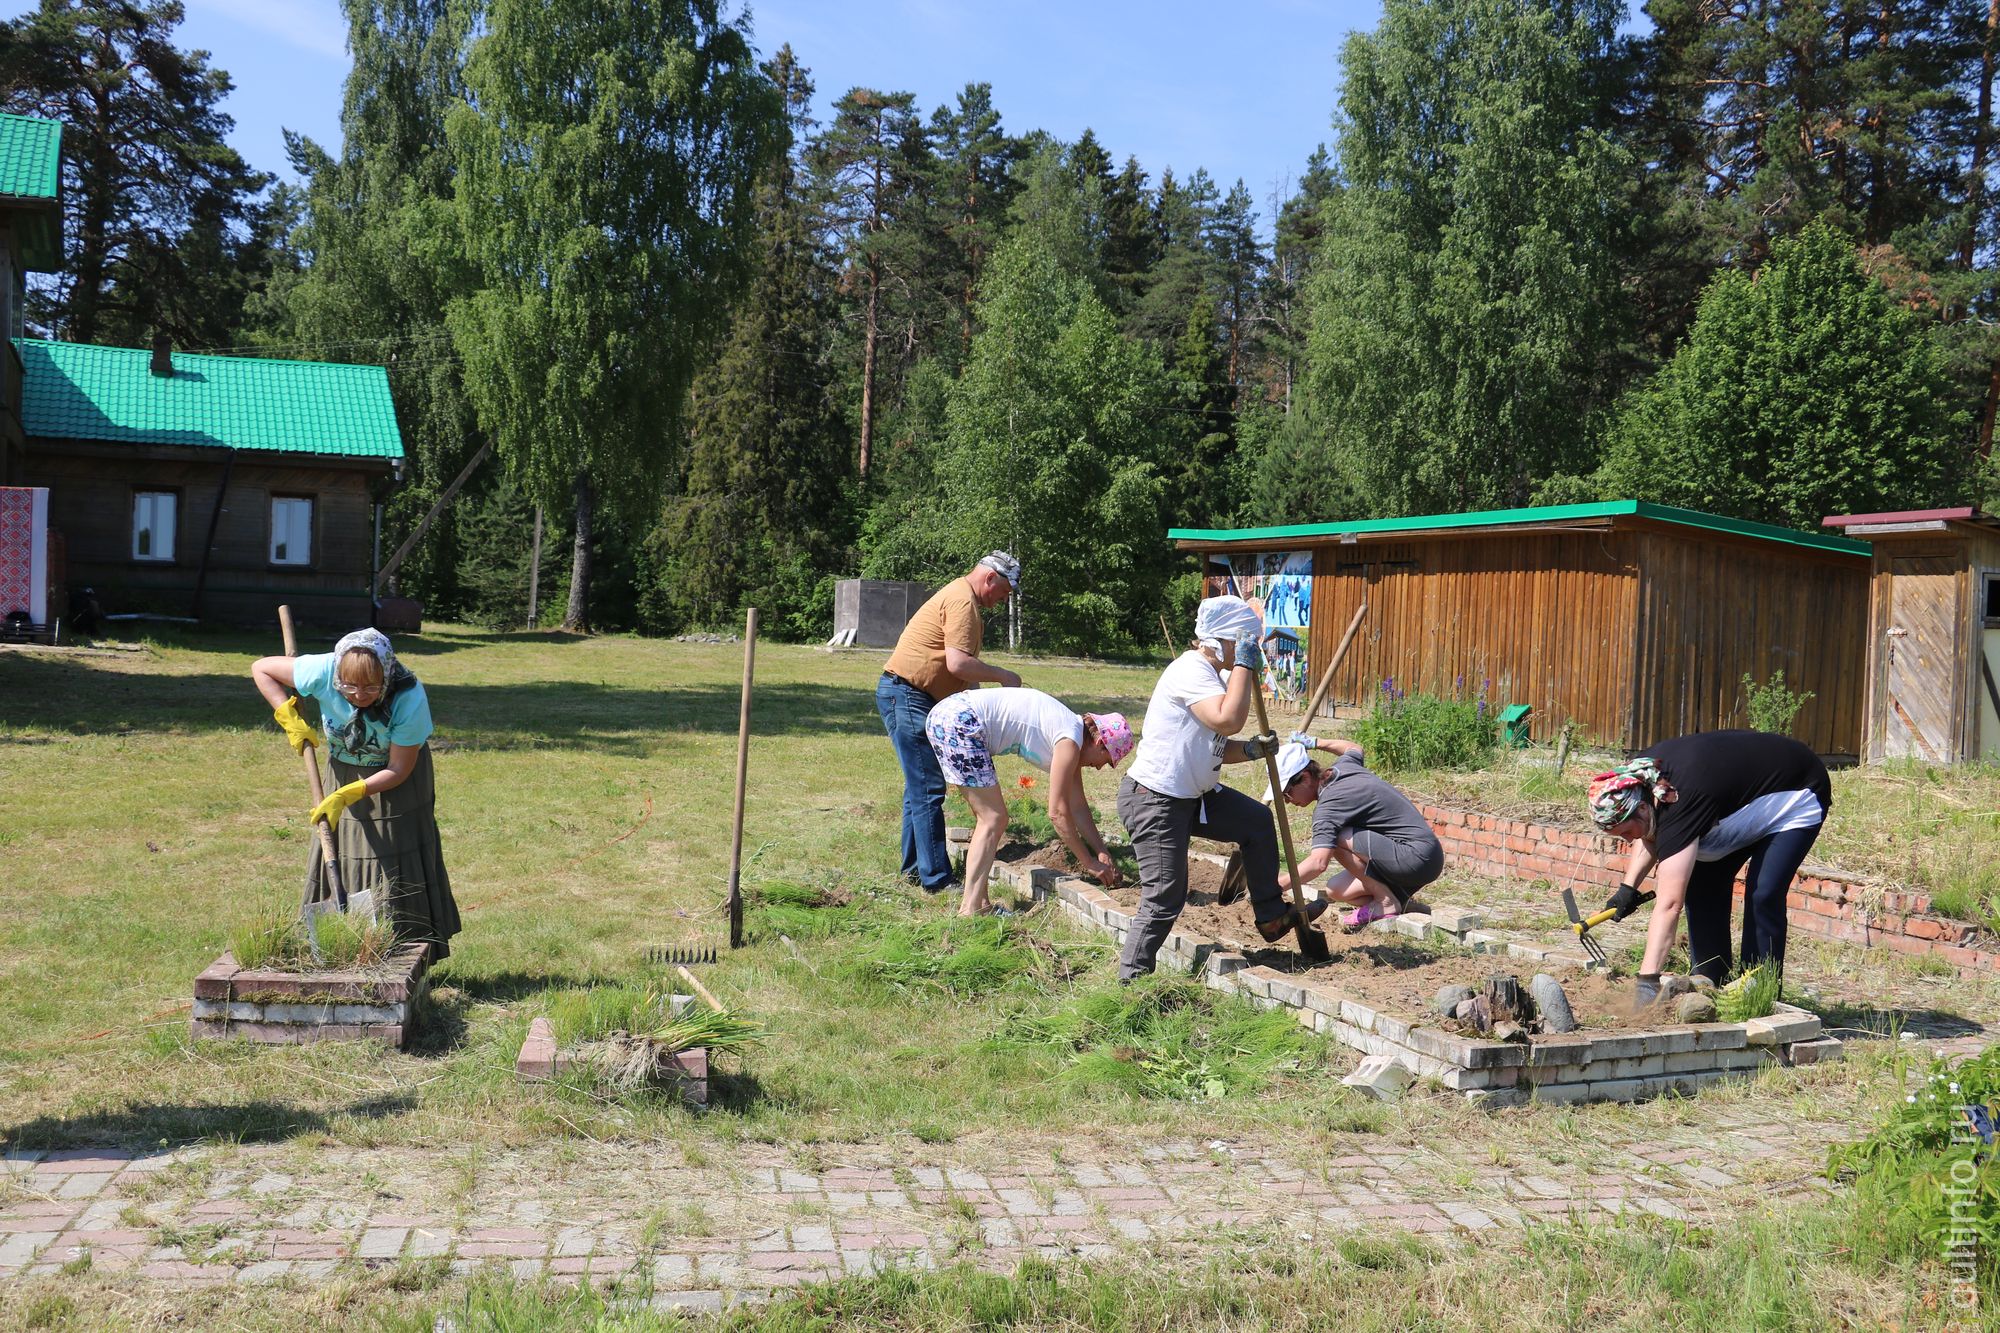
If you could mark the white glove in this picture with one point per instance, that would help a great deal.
(1303, 741)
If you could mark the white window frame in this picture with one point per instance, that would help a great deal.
(143, 512)
(284, 533)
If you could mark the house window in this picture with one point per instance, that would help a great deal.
(153, 525)
(1991, 600)
(291, 530)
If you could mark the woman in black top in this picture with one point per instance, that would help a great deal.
(1697, 808)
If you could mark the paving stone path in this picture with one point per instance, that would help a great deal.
(707, 1235)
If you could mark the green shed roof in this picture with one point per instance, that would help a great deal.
(1490, 518)
(30, 156)
(75, 391)
(31, 186)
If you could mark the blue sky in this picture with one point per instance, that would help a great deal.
(1244, 89)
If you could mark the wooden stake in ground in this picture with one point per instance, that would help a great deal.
(742, 772)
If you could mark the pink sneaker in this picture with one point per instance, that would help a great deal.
(1361, 917)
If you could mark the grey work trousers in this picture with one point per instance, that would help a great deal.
(1160, 827)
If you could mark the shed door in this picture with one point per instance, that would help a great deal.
(1921, 676)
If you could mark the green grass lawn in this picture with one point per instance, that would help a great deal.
(149, 807)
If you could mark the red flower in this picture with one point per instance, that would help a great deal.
(1026, 782)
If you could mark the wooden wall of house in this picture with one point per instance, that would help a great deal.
(1542, 618)
(91, 490)
(1712, 607)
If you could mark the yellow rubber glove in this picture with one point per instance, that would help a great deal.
(297, 730)
(330, 808)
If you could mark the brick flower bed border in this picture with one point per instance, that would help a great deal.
(1616, 1067)
(1821, 904)
(540, 1061)
(286, 1008)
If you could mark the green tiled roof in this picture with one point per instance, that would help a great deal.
(74, 391)
(1488, 518)
(30, 156)
(31, 186)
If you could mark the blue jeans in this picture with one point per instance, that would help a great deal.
(904, 709)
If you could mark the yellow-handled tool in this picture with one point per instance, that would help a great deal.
(1582, 924)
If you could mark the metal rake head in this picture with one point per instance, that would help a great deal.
(1590, 946)
(675, 956)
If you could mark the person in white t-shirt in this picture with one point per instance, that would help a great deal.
(1174, 791)
(968, 729)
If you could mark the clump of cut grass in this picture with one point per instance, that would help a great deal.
(801, 911)
(1168, 1037)
(1752, 994)
(958, 957)
(275, 939)
(718, 1032)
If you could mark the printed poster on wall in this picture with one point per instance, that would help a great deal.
(1279, 584)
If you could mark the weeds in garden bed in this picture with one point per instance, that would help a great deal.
(275, 939)
(1752, 994)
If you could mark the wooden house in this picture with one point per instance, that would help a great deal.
(1636, 621)
(1933, 634)
(214, 487)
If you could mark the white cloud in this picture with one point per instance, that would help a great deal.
(310, 25)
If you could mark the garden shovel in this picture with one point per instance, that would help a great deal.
(336, 899)
(1234, 881)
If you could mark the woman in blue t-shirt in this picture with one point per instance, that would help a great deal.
(378, 725)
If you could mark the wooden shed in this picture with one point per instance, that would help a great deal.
(1637, 621)
(1933, 634)
(211, 486)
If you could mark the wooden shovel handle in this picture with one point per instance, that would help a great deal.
(311, 756)
(1278, 801)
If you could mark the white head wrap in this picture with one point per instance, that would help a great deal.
(375, 641)
(1221, 620)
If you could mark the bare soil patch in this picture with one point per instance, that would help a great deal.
(1399, 976)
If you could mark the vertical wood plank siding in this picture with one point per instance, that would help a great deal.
(1712, 608)
(1634, 631)
(1543, 619)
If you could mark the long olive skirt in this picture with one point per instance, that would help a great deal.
(388, 844)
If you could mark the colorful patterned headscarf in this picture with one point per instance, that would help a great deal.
(1116, 734)
(1616, 796)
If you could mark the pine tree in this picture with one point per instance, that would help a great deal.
(1239, 268)
(875, 197)
(161, 224)
(973, 156)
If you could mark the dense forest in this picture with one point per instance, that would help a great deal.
(1742, 260)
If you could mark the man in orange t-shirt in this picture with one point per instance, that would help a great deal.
(938, 655)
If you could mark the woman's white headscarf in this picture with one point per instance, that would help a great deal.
(1221, 620)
